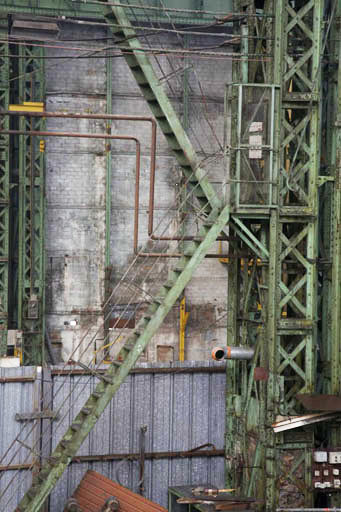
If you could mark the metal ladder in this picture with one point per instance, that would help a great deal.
(217, 217)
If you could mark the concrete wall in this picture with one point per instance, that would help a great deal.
(76, 177)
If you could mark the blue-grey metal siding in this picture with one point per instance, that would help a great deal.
(181, 411)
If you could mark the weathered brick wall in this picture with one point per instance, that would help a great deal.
(76, 168)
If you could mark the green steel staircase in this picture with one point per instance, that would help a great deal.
(109, 383)
(217, 217)
(161, 107)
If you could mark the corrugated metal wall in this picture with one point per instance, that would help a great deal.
(181, 410)
(20, 392)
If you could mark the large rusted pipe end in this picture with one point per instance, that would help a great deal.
(219, 353)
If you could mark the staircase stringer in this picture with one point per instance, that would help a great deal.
(110, 382)
(160, 105)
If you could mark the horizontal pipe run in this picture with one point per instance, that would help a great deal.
(236, 353)
(34, 133)
(150, 455)
(112, 117)
(150, 371)
(8, 380)
(129, 456)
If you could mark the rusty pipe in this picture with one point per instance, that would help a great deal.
(111, 117)
(237, 353)
(94, 136)
(33, 133)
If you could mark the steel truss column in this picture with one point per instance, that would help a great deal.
(297, 249)
(31, 288)
(4, 187)
(284, 236)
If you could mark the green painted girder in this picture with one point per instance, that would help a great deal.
(135, 344)
(31, 274)
(162, 109)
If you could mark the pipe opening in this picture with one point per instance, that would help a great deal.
(219, 354)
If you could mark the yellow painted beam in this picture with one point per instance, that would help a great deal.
(28, 106)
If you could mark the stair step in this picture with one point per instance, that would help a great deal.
(155, 108)
(53, 460)
(164, 125)
(75, 427)
(147, 92)
(118, 364)
(129, 346)
(65, 444)
(169, 284)
(107, 379)
(32, 492)
(86, 411)
(180, 155)
(140, 77)
(190, 249)
(97, 394)
(40, 477)
(178, 269)
(159, 300)
(175, 146)
(208, 223)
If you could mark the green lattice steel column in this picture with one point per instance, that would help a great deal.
(287, 240)
(296, 342)
(4, 187)
(31, 286)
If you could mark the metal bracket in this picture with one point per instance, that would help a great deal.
(31, 416)
(321, 180)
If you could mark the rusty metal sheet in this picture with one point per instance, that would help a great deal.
(260, 373)
(94, 489)
(320, 402)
